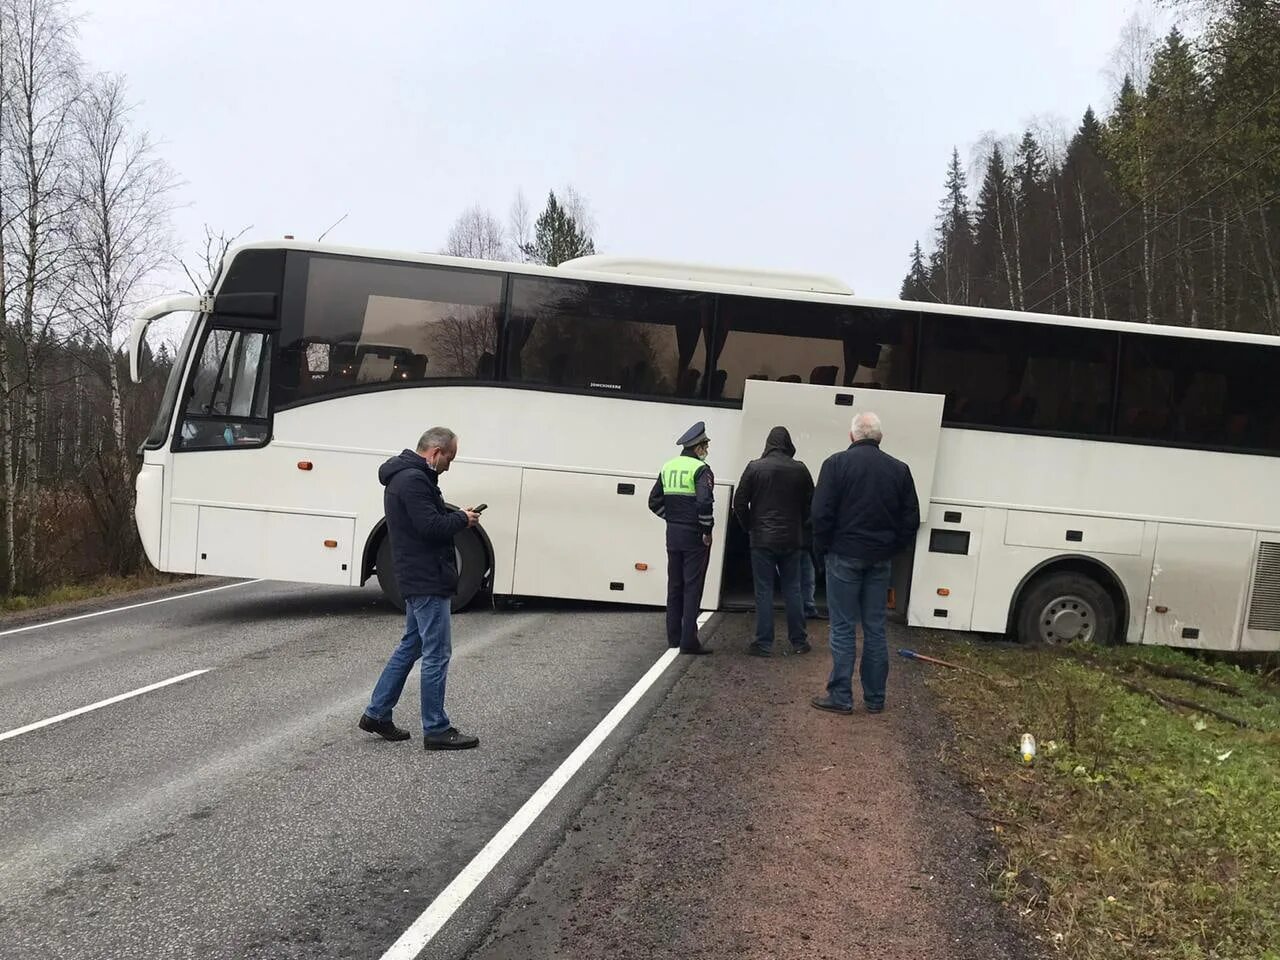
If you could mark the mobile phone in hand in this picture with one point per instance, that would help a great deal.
(480, 509)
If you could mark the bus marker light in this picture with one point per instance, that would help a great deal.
(304, 464)
(944, 592)
(642, 566)
(331, 543)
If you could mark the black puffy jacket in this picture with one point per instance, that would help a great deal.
(773, 497)
(865, 506)
(422, 528)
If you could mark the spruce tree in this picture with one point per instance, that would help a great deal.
(557, 236)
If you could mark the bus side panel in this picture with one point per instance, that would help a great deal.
(309, 548)
(179, 554)
(1004, 566)
(947, 554)
(1199, 586)
(589, 536)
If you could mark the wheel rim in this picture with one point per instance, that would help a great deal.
(1068, 619)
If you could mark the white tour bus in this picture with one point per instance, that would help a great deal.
(1078, 479)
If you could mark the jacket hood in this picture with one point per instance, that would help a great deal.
(405, 460)
(779, 439)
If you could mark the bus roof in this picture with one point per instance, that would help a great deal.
(745, 282)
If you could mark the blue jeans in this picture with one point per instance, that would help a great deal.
(426, 635)
(807, 584)
(765, 566)
(858, 591)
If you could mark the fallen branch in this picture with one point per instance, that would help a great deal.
(1170, 700)
(1177, 673)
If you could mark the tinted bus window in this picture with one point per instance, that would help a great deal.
(608, 337)
(1197, 392)
(368, 323)
(1002, 373)
(802, 342)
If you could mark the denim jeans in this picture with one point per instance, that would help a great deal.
(858, 591)
(807, 584)
(426, 635)
(767, 564)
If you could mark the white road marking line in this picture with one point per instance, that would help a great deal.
(132, 606)
(702, 620)
(438, 912)
(101, 703)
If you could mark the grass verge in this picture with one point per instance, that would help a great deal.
(90, 590)
(1143, 828)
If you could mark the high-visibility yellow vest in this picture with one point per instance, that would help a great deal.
(678, 476)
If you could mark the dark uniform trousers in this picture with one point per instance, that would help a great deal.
(687, 559)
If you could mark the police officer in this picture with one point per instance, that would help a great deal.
(683, 496)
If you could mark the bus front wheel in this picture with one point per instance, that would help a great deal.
(1067, 607)
(469, 554)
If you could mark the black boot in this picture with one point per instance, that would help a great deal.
(383, 728)
(450, 739)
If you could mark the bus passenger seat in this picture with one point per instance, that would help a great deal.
(824, 376)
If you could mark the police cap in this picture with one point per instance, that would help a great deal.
(693, 436)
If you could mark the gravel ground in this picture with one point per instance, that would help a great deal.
(743, 823)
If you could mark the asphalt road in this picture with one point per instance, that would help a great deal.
(241, 814)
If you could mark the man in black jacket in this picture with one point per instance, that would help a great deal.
(422, 529)
(772, 504)
(865, 510)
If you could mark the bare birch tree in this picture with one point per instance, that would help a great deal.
(202, 268)
(38, 126)
(477, 234)
(121, 229)
(520, 225)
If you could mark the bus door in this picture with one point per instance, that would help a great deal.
(819, 418)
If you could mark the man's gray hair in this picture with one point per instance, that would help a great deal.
(866, 426)
(437, 438)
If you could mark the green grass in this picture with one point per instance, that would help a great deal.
(1155, 831)
(70, 593)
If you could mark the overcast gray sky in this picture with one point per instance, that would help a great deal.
(809, 136)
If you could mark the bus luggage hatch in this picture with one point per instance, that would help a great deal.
(819, 418)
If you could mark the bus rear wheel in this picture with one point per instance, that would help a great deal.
(468, 553)
(1067, 607)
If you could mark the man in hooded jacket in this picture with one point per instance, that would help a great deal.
(772, 503)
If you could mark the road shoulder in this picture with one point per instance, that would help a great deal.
(742, 823)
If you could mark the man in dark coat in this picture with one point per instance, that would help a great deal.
(422, 529)
(772, 503)
(865, 511)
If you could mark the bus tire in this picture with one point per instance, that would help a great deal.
(472, 564)
(1067, 607)
(386, 571)
(470, 555)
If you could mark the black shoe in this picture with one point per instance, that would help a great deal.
(817, 615)
(801, 647)
(700, 652)
(450, 739)
(827, 704)
(673, 646)
(755, 650)
(879, 709)
(383, 728)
